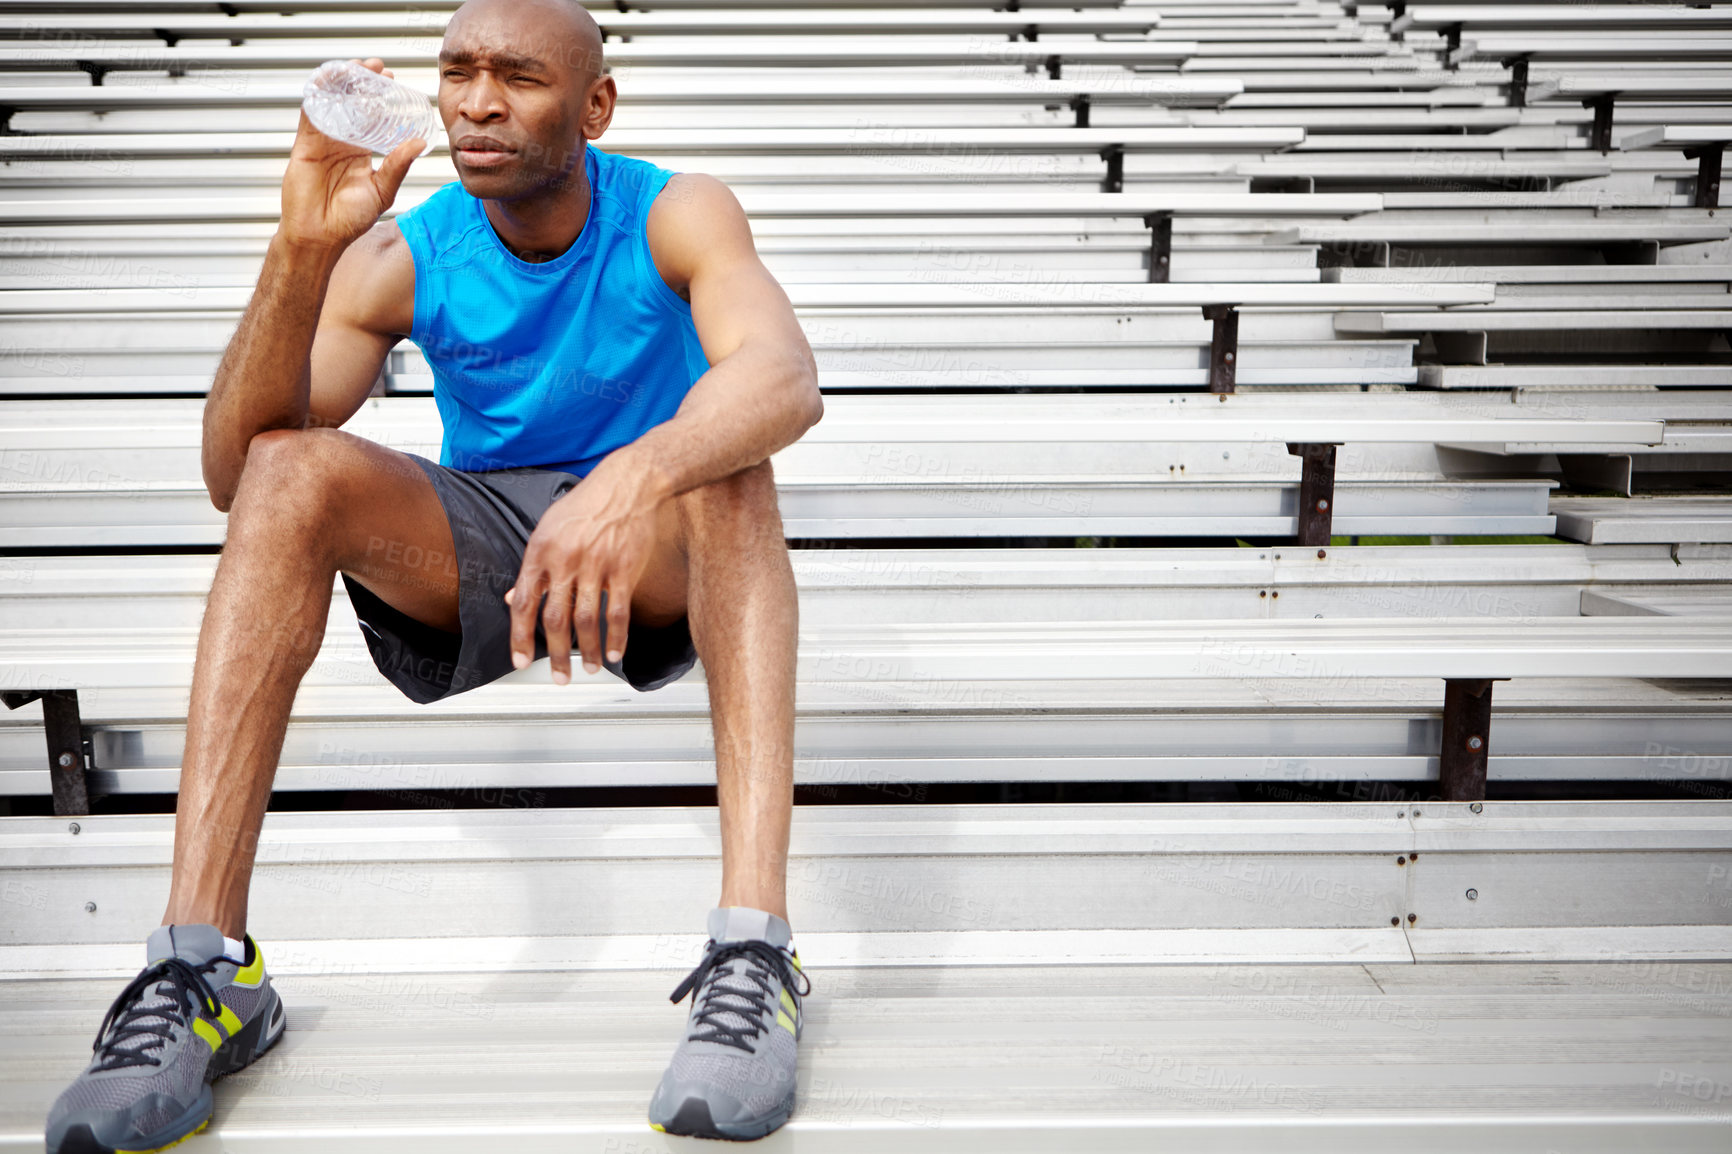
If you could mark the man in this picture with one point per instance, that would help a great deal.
(614, 368)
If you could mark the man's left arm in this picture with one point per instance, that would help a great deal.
(759, 395)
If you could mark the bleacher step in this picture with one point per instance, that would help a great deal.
(1330, 1060)
(985, 978)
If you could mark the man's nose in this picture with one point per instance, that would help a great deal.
(482, 100)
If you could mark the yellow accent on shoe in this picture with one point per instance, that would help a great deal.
(795, 957)
(230, 1022)
(784, 1021)
(208, 1032)
(199, 1129)
(251, 976)
(657, 1126)
(788, 1001)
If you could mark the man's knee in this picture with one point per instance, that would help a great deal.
(287, 470)
(741, 502)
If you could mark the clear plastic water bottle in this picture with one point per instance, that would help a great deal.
(352, 103)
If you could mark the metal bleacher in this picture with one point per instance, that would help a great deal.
(1265, 577)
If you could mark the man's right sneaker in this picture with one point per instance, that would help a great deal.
(191, 1016)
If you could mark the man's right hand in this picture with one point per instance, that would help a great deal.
(331, 195)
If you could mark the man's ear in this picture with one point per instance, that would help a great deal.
(599, 102)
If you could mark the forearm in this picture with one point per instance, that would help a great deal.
(264, 379)
(746, 408)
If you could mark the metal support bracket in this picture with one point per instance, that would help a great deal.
(68, 756)
(1466, 738)
(1224, 347)
(1518, 81)
(1160, 246)
(1600, 136)
(1114, 155)
(1316, 492)
(1707, 158)
(1080, 105)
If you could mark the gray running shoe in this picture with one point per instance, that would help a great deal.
(190, 1016)
(732, 1076)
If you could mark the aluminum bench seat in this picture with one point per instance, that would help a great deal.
(1010, 665)
(1428, 168)
(46, 149)
(1712, 601)
(702, 52)
(35, 261)
(1507, 229)
(981, 503)
(349, 729)
(1550, 377)
(32, 369)
(259, 7)
(1518, 319)
(718, 22)
(1469, 96)
(1605, 520)
(1704, 143)
(773, 88)
(881, 299)
(1566, 18)
(1327, 119)
(842, 586)
(1617, 277)
(86, 475)
(1565, 198)
(946, 205)
(1596, 47)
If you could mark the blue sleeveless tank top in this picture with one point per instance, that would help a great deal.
(556, 364)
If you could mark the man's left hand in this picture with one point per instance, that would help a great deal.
(598, 537)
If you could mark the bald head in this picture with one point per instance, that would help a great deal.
(522, 88)
(559, 32)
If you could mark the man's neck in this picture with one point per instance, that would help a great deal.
(544, 225)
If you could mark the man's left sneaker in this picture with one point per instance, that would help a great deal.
(732, 1075)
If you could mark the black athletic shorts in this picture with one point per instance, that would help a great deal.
(491, 516)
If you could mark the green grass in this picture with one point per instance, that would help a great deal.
(1507, 539)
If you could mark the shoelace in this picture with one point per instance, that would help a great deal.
(713, 999)
(180, 981)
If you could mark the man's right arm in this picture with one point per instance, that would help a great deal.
(316, 282)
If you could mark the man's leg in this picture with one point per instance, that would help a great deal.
(310, 502)
(733, 1073)
(745, 622)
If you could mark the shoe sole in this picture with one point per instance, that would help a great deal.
(246, 1049)
(692, 1120)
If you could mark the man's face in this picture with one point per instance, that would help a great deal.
(517, 89)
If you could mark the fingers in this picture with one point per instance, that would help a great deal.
(589, 624)
(524, 599)
(556, 624)
(618, 618)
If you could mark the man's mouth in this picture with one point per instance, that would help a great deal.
(481, 153)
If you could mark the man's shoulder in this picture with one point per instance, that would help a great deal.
(693, 212)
